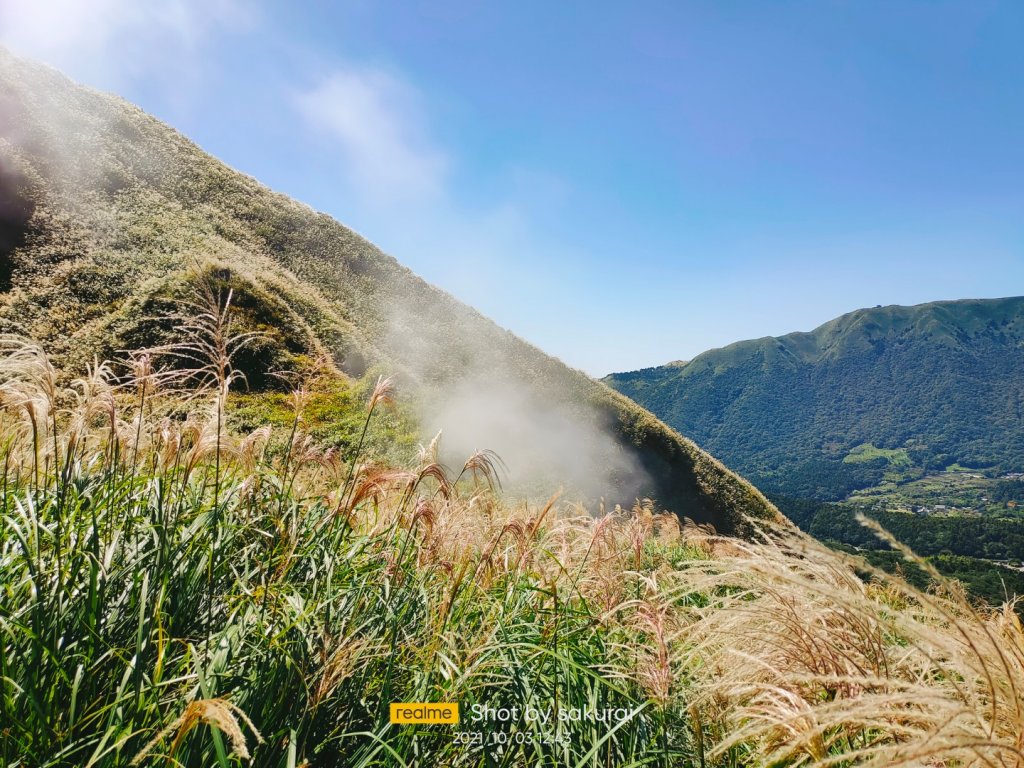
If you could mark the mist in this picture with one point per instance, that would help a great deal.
(484, 388)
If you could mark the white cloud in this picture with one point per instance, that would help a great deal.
(375, 120)
(401, 189)
(109, 41)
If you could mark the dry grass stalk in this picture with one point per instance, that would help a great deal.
(218, 713)
(803, 661)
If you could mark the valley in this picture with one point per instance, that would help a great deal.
(910, 416)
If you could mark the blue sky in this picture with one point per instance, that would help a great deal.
(622, 184)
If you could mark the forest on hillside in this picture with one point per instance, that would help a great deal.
(940, 382)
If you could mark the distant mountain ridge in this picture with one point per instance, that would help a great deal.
(105, 212)
(943, 381)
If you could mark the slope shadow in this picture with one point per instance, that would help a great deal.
(16, 211)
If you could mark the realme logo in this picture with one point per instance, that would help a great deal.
(425, 712)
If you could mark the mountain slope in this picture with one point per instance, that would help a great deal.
(930, 385)
(105, 213)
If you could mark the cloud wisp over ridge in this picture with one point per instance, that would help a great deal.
(401, 183)
(375, 120)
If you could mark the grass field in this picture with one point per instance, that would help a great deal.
(867, 452)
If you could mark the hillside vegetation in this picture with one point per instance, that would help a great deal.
(106, 214)
(820, 414)
(176, 592)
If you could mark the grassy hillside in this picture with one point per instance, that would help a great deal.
(820, 414)
(106, 215)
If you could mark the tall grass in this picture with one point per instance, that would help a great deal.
(175, 594)
(172, 593)
(798, 660)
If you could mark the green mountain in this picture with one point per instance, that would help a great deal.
(106, 213)
(819, 414)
